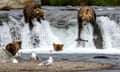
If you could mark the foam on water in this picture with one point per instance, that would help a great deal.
(49, 35)
(43, 30)
(5, 36)
(110, 32)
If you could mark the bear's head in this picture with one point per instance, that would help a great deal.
(13, 47)
(38, 13)
(86, 14)
(58, 47)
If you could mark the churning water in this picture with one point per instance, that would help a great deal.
(43, 35)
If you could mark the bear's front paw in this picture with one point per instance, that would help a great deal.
(78, 39)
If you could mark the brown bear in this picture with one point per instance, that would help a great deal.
(31, 11)
(13, 47)
(87, 14)
(58, 47)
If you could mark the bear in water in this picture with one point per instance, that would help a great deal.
(58, 47)
(32, 11)
(13, 47)
(85, 15)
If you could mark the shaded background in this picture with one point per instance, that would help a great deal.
(77, 2)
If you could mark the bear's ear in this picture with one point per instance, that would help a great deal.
(20, 42)
(54, 44)
(17, 44)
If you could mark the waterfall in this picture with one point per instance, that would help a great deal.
(43, 35)
(5, 36)
(110, 31)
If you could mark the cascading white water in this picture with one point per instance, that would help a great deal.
(47, 35)
(43, 31)
(5, 36)
(110, 32)
(69, 36)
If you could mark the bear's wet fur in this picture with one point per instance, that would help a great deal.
(31, 11)
(85, 15)
(58, 47)
(13, 47)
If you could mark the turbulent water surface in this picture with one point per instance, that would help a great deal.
(61, 27)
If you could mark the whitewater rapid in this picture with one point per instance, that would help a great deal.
(43, 35)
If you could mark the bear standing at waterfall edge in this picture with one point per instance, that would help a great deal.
(87, 15)
(32, 11)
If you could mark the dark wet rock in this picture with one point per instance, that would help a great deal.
(62, 19)
(1, 23)
(61, 24)
(65, 59)
(101, 57)
(115, 17)
(3, 18)
(98, 42)
(35, 40)
(18, 17)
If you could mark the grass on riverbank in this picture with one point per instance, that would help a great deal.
(77, 2)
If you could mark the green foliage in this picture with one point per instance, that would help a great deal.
(77, 2)
(105, 2)
(59, 2)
